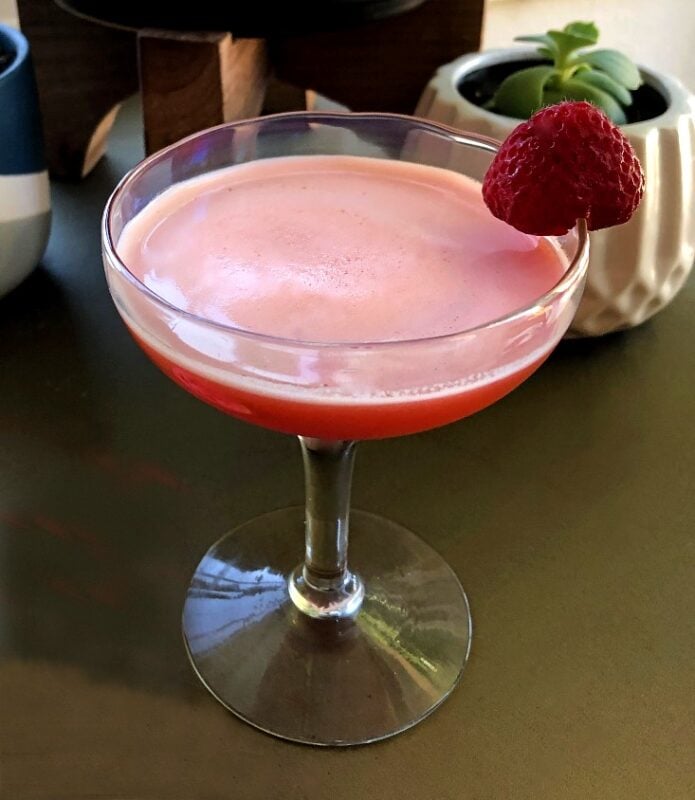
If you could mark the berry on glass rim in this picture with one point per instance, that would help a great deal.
(567, 162)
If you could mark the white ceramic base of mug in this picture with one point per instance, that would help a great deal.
(25, 221)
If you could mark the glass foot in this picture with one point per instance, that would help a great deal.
(325, 681)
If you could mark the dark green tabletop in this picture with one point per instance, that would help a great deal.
(567, 510)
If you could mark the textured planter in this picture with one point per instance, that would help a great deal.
(24, 188)
(634, 269)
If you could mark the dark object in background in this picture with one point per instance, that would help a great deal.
(83, 71)
(360, 53)
(244, 19)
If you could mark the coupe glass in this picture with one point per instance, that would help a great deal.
(320, 651)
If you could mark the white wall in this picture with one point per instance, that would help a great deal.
(657, 33)
(8, 12)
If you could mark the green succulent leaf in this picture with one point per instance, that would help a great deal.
(546, 52)
(567, 42)
(521, 94)
(602, 77)
(616, 65)
(540, 38)
(578, 90)
(583, 30)
(546, 46)
(552, 97)
(602, 81)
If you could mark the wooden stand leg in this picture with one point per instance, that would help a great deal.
(193, 81)
(281, 97)
(83, 72)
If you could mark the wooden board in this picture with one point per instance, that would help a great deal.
(193, 81)
(83, 71)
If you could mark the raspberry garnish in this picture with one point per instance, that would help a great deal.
(567, 162)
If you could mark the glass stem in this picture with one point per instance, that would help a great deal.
(323, 586)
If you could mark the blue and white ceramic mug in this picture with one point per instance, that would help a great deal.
(24, 189)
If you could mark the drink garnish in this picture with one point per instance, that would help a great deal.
(567, 162)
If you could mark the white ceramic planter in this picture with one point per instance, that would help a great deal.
(634, 269)
(25, 221)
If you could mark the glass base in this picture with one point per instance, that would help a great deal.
(326, 681)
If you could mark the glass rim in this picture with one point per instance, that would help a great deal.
(570, 276)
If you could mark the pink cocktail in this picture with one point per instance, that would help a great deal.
(337, 277)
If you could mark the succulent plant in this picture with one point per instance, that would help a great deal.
(602, 77)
